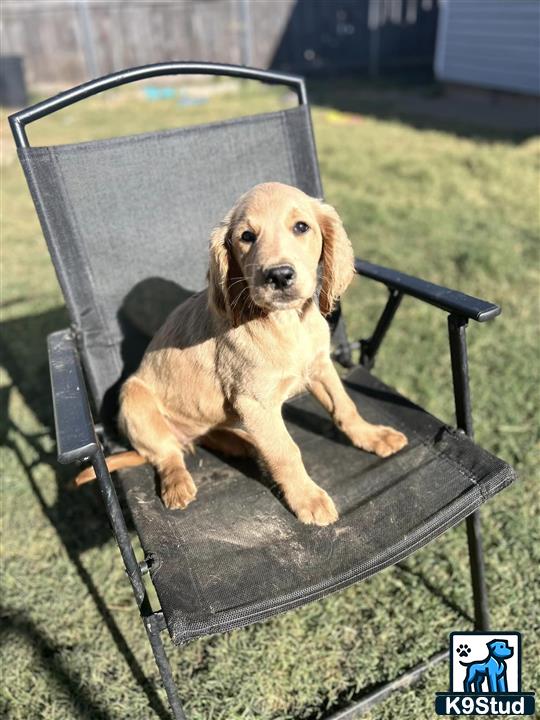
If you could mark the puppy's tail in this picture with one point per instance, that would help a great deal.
(120, 461)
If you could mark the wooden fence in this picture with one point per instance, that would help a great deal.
(65, 42)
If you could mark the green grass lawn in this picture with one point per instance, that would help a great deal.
(456, 209)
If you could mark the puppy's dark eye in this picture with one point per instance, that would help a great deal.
(248, 236)
(300, 228)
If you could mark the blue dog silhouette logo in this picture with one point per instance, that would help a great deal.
(485, 676)
(491, 669)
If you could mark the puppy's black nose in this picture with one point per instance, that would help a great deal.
(280, 276)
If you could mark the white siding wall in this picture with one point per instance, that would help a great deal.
(490, 43)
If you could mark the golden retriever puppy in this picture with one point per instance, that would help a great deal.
(224, 362)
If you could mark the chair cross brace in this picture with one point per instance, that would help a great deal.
(369, 347)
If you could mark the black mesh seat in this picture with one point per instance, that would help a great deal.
(127, 223)
(237, 555)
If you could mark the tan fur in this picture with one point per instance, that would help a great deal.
(222, 365)
(114, 462)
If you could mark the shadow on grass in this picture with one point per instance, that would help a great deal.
(14, 622)
(480, 116)
(405, 570)
(77, 515)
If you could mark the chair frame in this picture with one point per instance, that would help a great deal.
(79, 439)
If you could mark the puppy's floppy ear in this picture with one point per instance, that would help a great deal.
(337, 257)
(218, 271)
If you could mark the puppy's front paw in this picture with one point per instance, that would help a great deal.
(383, 441)
(178, 490)
(315, 507)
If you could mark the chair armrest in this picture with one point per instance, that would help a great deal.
(452, 301)
(75, 434)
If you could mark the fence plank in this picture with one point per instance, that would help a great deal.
(297, 35)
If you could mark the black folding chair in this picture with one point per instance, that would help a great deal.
(127, 222)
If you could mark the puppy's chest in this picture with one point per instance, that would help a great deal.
(299, 356)
(281, 356)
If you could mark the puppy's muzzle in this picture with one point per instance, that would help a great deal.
(280, 277)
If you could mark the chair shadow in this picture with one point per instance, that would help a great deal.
(14, 621)
(77, 515)
(405, 570)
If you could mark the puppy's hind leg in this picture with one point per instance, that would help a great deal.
(152, 436)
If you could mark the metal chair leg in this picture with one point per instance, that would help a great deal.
(162, 661)
(478, 576)
(457, 327)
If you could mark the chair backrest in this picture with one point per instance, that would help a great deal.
(127, 220)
